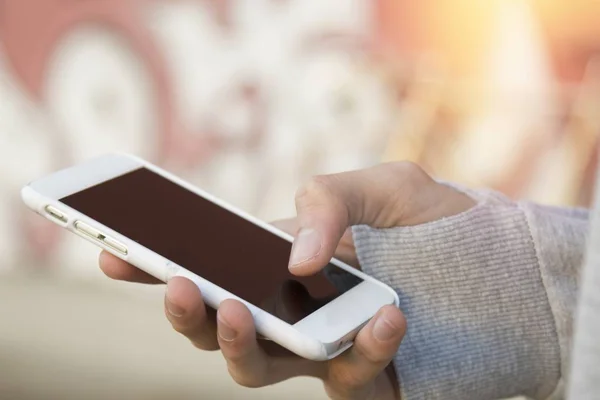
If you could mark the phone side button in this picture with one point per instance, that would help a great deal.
(87, 230)
(56, 213)
(115, 245)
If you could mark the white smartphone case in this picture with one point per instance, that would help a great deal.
(286, 335)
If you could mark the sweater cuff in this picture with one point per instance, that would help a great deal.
(479, 322)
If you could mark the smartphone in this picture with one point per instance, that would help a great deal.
(167, 227)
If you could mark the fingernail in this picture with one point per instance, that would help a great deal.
(307, 246)
(383, 330)
(173, 308)
(225, 331)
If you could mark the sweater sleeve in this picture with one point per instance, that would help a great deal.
(488, 294)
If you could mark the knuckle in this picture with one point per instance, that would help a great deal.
(342, 393)
(407, 171)
(375, 357)
(205, 345)
(235, 356)
(345, 379)
(315, 187)
(409, 180)
(245, 379)
(185, 330)
(188, 328)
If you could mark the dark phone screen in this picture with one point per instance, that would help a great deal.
(210, 241)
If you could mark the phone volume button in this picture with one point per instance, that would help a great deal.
(87, 230)
(98, 236)
(115, 245)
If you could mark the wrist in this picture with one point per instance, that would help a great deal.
(477, 313)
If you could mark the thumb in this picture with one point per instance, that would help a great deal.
(352, 374)
(383, 196)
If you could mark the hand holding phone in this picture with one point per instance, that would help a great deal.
(361, 370)
(253, 362)
(148, 218)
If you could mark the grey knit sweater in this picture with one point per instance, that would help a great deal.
(490, 298)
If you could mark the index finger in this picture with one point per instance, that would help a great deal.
(383, 197)
(115, 268)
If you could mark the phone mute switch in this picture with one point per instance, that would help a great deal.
(115, 245)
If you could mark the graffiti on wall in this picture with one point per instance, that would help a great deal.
(248, 101)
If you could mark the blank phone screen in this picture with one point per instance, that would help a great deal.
(214, 243)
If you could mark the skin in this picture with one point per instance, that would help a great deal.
(384, 196)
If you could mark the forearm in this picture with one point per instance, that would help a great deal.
(488, 295)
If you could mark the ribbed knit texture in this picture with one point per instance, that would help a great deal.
(559, 235)
(479, 322)
(585, 371)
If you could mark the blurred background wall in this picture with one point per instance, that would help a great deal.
(247, 99)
